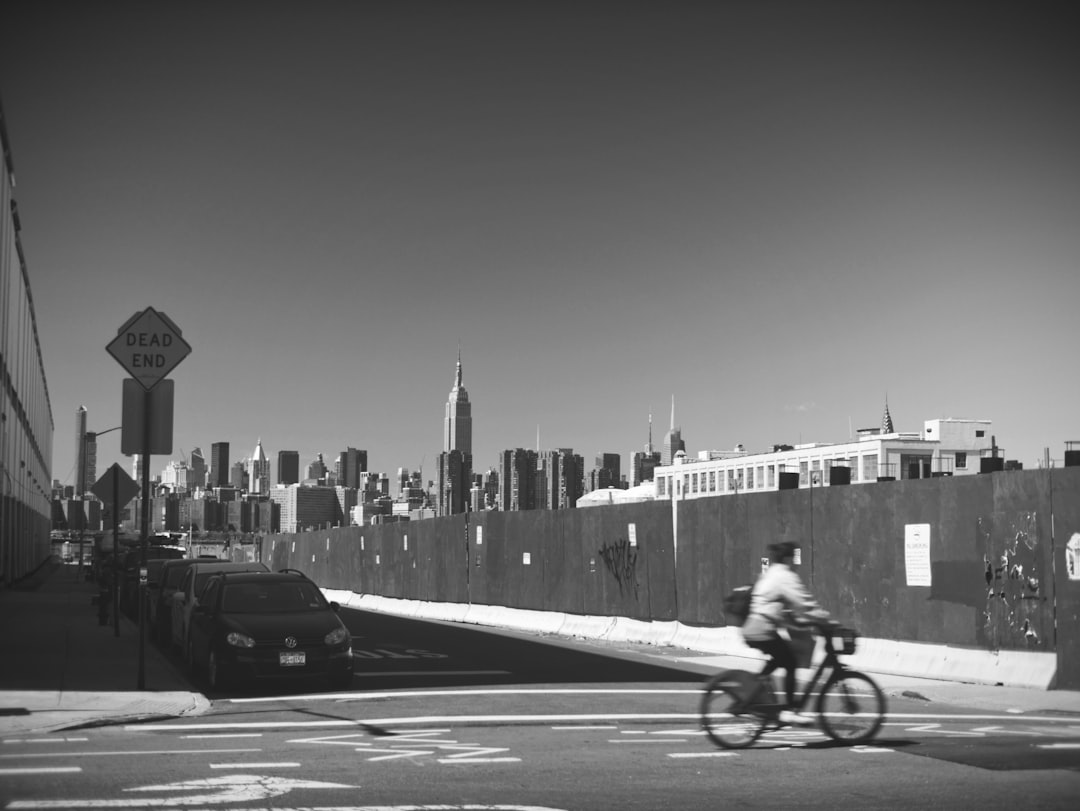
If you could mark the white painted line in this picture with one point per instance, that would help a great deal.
(1058, 745)
(54, 770)
(254, 765)
(576, 727)
(464, 692)
(45, 740)
(429, 719)
(221, 735)
(665, 742)
(431, 673)
(43, 804)
(865, 750)
(130, 752)
(633, 732)
(702, 754)
(448, 760)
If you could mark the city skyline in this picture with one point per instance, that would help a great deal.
(780, 214)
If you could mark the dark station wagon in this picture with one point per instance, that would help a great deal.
(249, 626)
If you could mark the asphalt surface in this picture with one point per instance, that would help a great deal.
(62, 669)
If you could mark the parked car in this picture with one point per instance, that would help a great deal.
(161, 586)
(269, 625)
(156, 555)
(183, 599)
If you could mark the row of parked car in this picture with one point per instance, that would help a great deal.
(240, 622)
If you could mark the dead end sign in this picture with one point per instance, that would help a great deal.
(149, 346)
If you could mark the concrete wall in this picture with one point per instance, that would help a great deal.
(998, 579)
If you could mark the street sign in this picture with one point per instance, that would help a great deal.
(140, 405)
(149, 346)
(115, 479)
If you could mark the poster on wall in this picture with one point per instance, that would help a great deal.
(917, 554)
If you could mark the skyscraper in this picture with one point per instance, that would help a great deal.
(673, 441)
(288, 467)
(455, 462)
(351, 463)
(219, 464)
(259, 471)
(198, 468)
(81, 483)
(457, 434)
(517, 479)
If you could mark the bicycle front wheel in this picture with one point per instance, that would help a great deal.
(725, 716)
(851, 706)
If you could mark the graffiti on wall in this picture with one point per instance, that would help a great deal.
(620, 558)
(1012, 566)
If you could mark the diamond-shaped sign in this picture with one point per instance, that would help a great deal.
(115, 482)
(149, 346)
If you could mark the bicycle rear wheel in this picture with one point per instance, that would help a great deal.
(851, 706)
(726, 715)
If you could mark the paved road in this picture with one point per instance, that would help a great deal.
(458, 718)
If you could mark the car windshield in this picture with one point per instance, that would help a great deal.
(269, 598)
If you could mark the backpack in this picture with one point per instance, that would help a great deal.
(737, 605)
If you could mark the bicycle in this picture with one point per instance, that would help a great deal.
(738, 706)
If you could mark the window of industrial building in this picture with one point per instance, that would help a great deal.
(804, 473)
(749, 478)
(980, 433)
(661, 486)
(869, 467)
(961, 460)
(712, 481)
(693, 483)
(772, 475)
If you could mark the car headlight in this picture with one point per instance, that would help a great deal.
(239, 640)
(336, 637)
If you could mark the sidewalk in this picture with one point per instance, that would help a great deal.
(61, 669)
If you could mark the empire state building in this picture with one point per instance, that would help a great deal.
(455, 462)
(457, 431)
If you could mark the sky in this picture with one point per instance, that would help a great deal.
(780, 214)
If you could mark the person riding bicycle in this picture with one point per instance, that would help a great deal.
(780, 600)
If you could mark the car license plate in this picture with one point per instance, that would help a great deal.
(291, 659)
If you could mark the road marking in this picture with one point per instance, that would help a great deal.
(451, 760)
(1057, 745)
(128, 752)
(227, 789)
(373, 674)
(429, 719)
(45, 740)
(440, 807)
(685, 755)
(869, 750)
(638, 741)
(220, 735)
(463, 692)
(576, 727)
(44, 770)
(254, 765)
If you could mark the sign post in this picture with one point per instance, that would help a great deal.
(113, 486)
(149, 346)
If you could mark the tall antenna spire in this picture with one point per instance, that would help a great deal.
(673, 412)
(648, 448)
(886, 419)
(538, 437)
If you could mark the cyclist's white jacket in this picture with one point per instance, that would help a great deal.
(779, 598)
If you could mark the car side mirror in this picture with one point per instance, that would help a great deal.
(335, 605)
